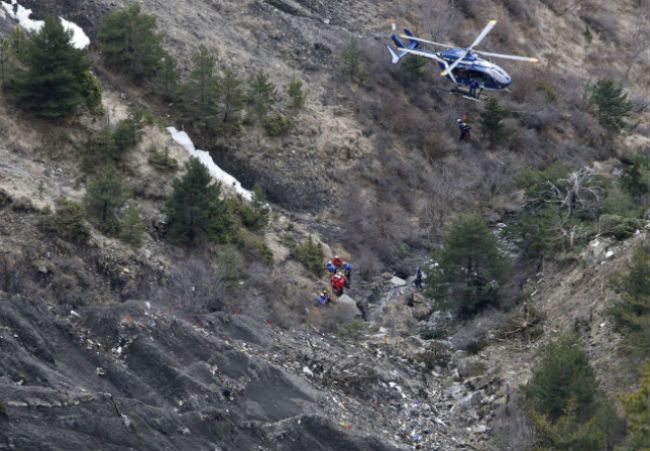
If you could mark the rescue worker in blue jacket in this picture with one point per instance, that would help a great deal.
(323, 298)
(347, 272)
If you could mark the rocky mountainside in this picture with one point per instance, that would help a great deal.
(104, 346)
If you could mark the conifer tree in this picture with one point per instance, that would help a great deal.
(296, 94)
(632, 313)
(414, 67)
(195, 211)
(611, 104)
(261, 94)
(231, 102)
(637, 412)
(132, 228)
(490, 122)
(470, 267)
(53, 83)
(129, 42)
(105, 196)
(168, 78)
(351, 63)
(201, 92)
(4, 61)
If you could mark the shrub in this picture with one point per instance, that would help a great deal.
(490, 122)
(128, 41)
(620, 227)
(414, 67)
(131, 227)
(105, 196)
(68, 222)
(470, 267)
(637, 412)
(54, 84)
(254, 216)
(433, 334)
(631, 314)
(109, 145)
(296, 94)
(311, 255)
(355, 329)
(610, 103)
(161, 160)
(3, 411)
(92, 89)
(195, 211)
(4, 60)
(277, 125)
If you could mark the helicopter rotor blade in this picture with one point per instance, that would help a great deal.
(426, 41)
(453, 65)
(508, 57)
(483, 34)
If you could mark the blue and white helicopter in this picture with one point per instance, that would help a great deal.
(461, 66)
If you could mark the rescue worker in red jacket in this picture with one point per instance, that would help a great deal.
(337, 261)
(338, 283)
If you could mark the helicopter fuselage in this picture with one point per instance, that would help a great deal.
(472, 67)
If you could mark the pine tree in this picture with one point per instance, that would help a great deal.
(261, 94)
(68, 222)
(195, 211)
(296, 94)
(53, 84)
(201, 92)
(490, 122)
(611, 104)
(105, 196)
(637, 412)
(168, 78)
(132, 228)
(231, 102)
(632, 313)
(563, 376)
(129, 42)
(470, 267)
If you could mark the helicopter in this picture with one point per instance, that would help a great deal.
(461, 66)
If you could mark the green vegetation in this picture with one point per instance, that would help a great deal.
(131, 227)
(560, 210)
(414, 67)
(351, 62)
(296, 94)
(637, 413)
(254, 215)
(310, 254)
(161, 160)
(631, 314)
(67, 222)
(129, 43)
(490, 122)
(201, 91)
(106, 194)
(4, 60)
(277, 124)
(611, 105)
(470, 268)
(231, 102)
(195, 211)
(55, 82)
(435, 354)
(565, 403)
(168, 78)
(3, 411)
(636, 178)
(356, 329)
(109, 146)
(261, 94)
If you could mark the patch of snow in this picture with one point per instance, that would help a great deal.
(17, 12)
(204, 157)
(79, 39)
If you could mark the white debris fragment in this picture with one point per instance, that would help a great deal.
(204, 157)
(73, 313)
(307, 371)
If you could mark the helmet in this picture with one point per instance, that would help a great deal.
(459, 121)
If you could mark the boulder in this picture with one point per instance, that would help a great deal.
(346, 308)
(397, 282)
